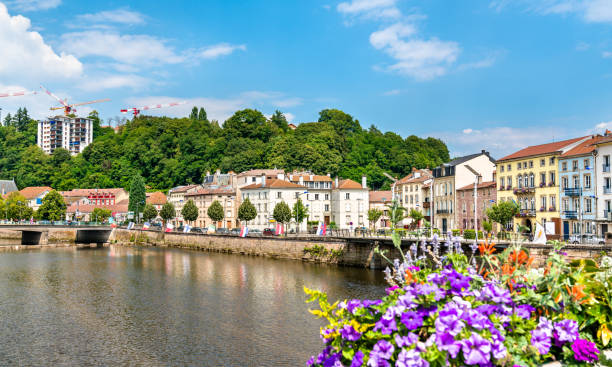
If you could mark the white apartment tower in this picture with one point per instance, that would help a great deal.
(70, 133)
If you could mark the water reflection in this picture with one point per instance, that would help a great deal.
(158, 307)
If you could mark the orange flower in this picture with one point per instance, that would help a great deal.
(409, 277)
(518, 257)
(486, 248)
(577, 293)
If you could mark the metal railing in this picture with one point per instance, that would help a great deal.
(607, 190)
(570, 214)
(573, 191)
(606, 167)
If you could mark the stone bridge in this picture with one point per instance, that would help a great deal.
(33, 234)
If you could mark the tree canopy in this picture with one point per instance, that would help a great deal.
(138, 196)
(190, 211)
(247, 211)
(167, 212)
(53, 207)
(149, 213)
(168, 152)
(282, 213)
(215, 211)
(100, 215)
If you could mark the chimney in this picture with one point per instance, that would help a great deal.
(328, 174)
(483, 152)
(364, 182)
(336, 182)
(291, 177)
(281, 176)
(207, 173)
(263, 180)
(218, 172)
(301, 180)
(311, 177)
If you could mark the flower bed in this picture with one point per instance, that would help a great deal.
(493, 309)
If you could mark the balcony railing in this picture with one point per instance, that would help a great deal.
(572, 191)
(607, 190)
(606, 168)
(527, 213)
(608, 214)
(570, 214)
(443, 211)
(524, 191)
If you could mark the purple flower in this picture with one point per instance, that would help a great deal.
(412, 320)
(448, 320)
(386, 326)
(382, 351)
(476, 350)
(323, 355)
(357, 359)
(425, 289)
(487, 309)
(499, 350)
(426, 311)
(524, 311)
(333, 360)
(414, 269)
(565, 331)
(391, 289)
(495, 294)
(349, 333)
(541, 340)
(410, 358)
(545, 325)
(477, 320)
(326, 334)
(352, 305)
(585, 351)
(369, 303)
(448, 343)
(406, 341)
(406, 300)
(311, 361)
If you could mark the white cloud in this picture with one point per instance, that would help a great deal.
(139, 49)
(582, 46)
(217, 108)
(392, 92)
(103, 82)
(288, 102)
(376, 9)
(591, 11)
(603, 126)
(33, 5)
(25, 55)
(417, 58)
(222, 49)
(289, 116)
(485, 62)
(117, 16)
(606, 55)
(468, 131)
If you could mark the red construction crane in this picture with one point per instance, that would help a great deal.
(15, 94)
(69, 108)
(137, 110)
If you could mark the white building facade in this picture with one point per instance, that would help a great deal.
(350, 203)
(72, 134)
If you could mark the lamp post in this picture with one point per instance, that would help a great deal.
(477, 178)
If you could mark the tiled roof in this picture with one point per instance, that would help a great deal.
(180, 189)
(156, 198)
(7, 186)
(212, 192)
(259, 172)
(34, 191)
(380, 196)
(481, 185)
(120, 207)
(275, 183)
(585, 147)
(348, 184)
(541, 149)
(307, 177)
(425, 175)
(466, 158)
(87, 192)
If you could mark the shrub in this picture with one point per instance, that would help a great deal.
(456, 232)
(470, 234)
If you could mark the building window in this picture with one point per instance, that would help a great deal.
(587, 181)
(279, 195)
(509, 180)
(552, 161)
(502, 184)
(564, 182)
(326, 196)
(553, 201)
(542, 162)
(519, 181)
(587, 205)
(576, 182)
(532, 180)
(316, 197)
(530, 164)
(348, 207)
(347, 196)
(564, 166)
(526, 179)
(543, 202)
(552, 178)
(501, 168)
(575, 165)
(542, 179)
(509, 167)
(326, 207)
(587, 164)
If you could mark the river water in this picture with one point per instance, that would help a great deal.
(163, 307)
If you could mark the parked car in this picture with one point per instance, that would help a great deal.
(222, 231)
(254, 232)
(587, 239)
(179, 229)
(268, 232)
(156, 227)
(235, 231)
(197, 230)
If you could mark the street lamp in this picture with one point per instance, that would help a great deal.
(477, 177)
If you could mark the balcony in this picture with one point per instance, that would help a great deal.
(526, 213)
(443, 211)
(570, 214)
(606, 168)
(575, 191)
(426, 204)
(524, 191)
(608, 214)
(607, 190)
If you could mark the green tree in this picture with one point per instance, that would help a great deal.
(194, 113)
(215, 211)
(99, 215)
(373, 216)
(17, 207)
(190, 211)
(246, 211)
(167, 212)
(282, 213)
(53, 207)
(279, 120)
(299, 213)
(202, 115)
(416, 216)
(503, 213)
(397, 213)
(138, 195)
(149, 213)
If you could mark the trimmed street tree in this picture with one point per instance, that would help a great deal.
(190, 211)
(300, 212)
(53, 207)
(17, 207)
(396, 213)
(149, 213)
(374, 215)
(215, 211)
(282, 213)
(247, 211)
(138, 195)
(99, 215)
(503, 213)
(416, 216)
(167, 212)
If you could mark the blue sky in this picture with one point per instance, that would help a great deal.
(481, 74)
